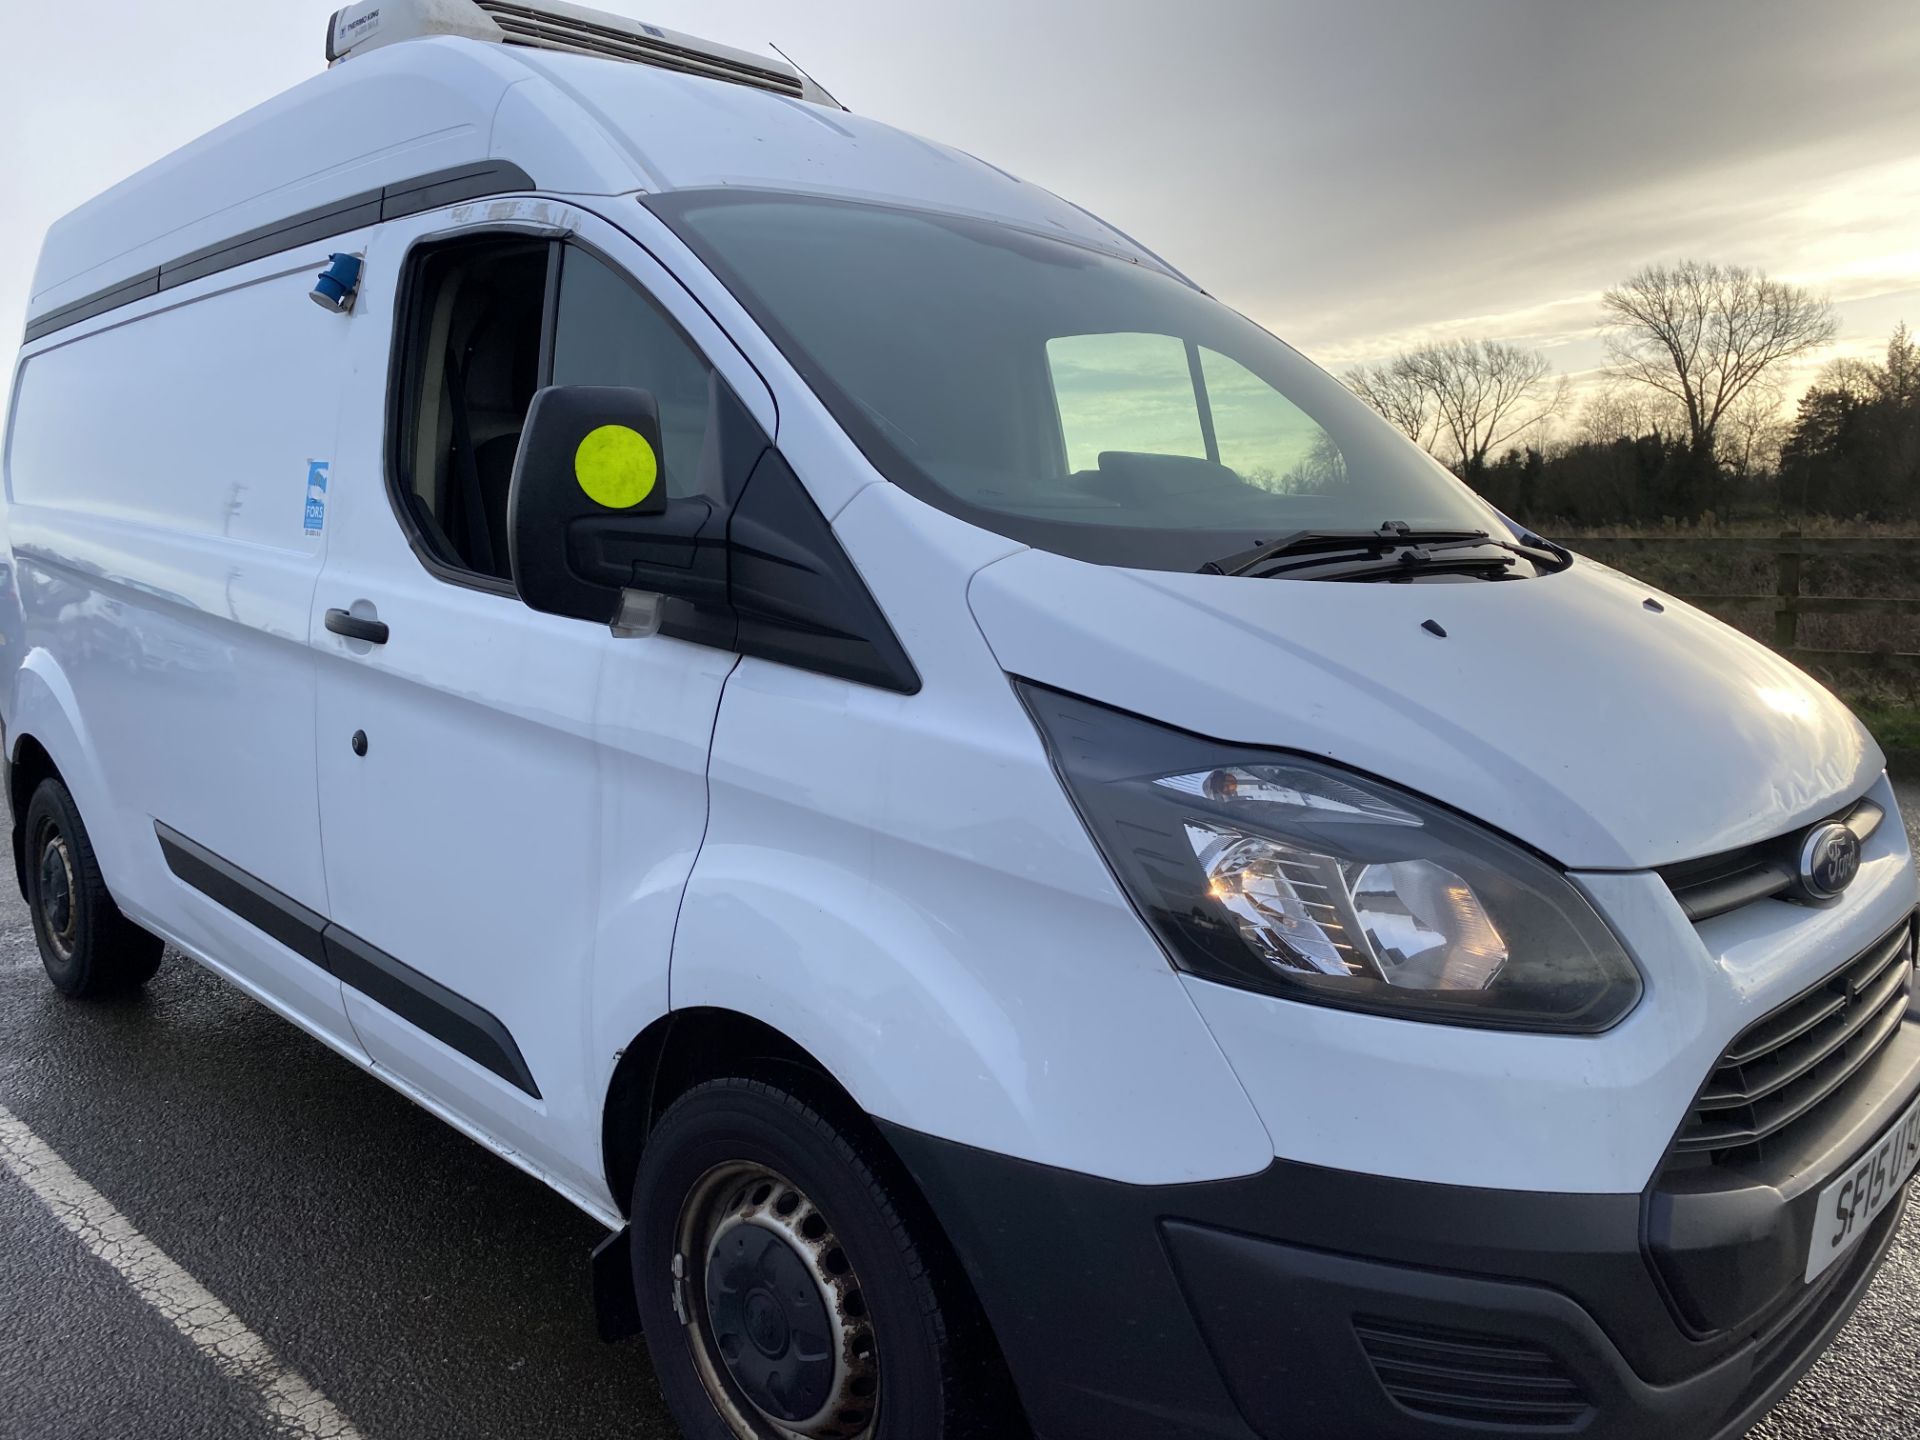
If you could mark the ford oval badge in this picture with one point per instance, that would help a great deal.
(1829, 859)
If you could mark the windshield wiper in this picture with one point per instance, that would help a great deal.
(1541, 550)
(1404, 565)
(1394, 548)
(1393, 535)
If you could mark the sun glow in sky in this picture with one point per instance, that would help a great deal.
(1358, 177)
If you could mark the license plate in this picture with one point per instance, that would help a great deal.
(1848, 1205)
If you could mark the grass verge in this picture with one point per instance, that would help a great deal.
(1897, 728)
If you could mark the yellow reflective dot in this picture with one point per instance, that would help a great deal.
(616, 466)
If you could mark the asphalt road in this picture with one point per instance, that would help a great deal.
(424, 1287)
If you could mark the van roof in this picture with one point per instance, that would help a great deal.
(414, 125)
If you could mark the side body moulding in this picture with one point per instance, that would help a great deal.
(450, 1018)
(369, 207)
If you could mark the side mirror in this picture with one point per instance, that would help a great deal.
(587, 512)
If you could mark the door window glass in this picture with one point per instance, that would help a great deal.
(1262, 435)
(1121, 392)
(472, 363)
(607, 333)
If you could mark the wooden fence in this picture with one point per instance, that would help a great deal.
(1786, 601)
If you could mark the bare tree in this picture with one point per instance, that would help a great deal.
(1391, 387)
(1624, 412)
(1859, 380)
(1486, 393)
(1704, 334)
(1754, 428)
(1862, 380)
(1462, 400)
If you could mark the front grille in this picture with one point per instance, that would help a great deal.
(545, 30)
(1781, 1070)
(1719, 883)
(1461, 1376)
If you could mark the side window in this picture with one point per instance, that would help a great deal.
(470, 363)
(607, 333)
(1262, 435)
(1160, 395)
(1124, 392)
(471, 360)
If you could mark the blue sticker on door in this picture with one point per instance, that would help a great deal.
(316, 515)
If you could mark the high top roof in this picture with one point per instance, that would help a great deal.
(574, 124)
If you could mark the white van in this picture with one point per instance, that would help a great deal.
(1039, 868)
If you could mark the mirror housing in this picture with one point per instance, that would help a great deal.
(587, 510)
(749, 565)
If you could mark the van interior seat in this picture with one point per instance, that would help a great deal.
(478, 369)
(494, 458)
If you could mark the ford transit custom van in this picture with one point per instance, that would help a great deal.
(1040, 869)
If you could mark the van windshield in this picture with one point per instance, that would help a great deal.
(1062, 397)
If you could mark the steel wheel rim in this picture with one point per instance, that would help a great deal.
(735, 1212)
(56, 899)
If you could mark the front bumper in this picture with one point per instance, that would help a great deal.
(1309, 1301)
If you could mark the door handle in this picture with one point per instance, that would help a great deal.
(345, 622)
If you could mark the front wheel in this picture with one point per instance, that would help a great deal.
(788, 1286)
(88, 947)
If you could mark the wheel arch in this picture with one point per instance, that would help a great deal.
(676, 1052)
(684, 1047)
(28, 763)
(46, 736)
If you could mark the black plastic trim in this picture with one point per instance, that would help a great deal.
(257, 244)
(748, 564)
(450, 186)
(252, 899)
(357, 627)
(1226, 1308)
(1716, 884)
(1728, 1241)
(140, 287)
(430, 1006)
(418, 999)
(799, 600)
(369, 207)
(615, 1308)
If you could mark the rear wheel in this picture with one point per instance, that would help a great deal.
(789, 1287)
(88, 947)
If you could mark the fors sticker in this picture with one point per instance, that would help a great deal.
(316, 513)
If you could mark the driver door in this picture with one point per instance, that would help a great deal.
(510, 802)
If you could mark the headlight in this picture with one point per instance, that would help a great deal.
(1277, 873)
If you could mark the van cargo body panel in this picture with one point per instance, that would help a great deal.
(382, 121)
(1561, 710)
(165, 572)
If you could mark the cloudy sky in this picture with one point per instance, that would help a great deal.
(1358, 176)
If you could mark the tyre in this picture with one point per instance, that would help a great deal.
(791, 1286)
(89, 948)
